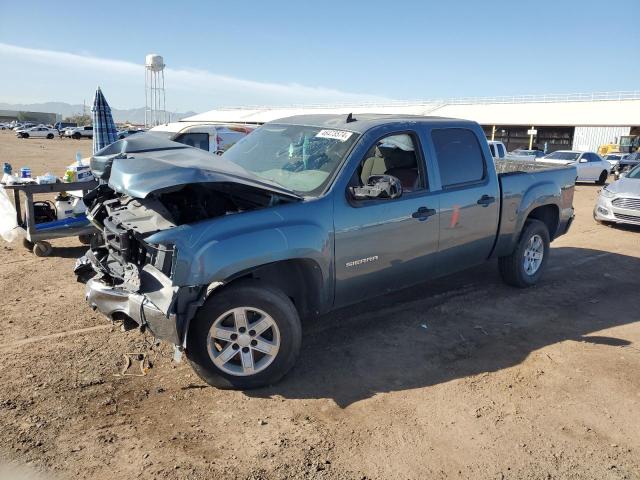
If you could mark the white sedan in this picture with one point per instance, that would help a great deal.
(38, 132)
(591, 167)
(619, 202)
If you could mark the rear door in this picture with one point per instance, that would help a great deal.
(469, 198)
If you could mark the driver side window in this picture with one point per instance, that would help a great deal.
(396, 155)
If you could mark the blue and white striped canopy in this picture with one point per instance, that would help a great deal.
(104, 129)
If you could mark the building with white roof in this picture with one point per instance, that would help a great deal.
(548, 122)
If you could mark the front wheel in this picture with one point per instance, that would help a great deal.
(76, 136)
(50, 136)
(246, 336)
(25, 135)
(603, 178)
(524, 267)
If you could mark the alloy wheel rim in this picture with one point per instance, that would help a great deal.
(243, 341)
(533, 255)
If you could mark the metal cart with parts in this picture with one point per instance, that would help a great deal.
(36, 238)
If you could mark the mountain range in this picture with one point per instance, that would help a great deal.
(133, 115)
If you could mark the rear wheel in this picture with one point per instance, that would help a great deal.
(246, 336)
(50, 136)
(524, 267)
(603, 178)
(76, 136)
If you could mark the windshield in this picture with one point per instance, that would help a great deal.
(297, 157)
(634, 173)
(626, 141)
(572, 156)
(612, 157)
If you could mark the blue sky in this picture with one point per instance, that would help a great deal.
(283, 52)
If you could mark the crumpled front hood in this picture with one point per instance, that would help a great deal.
(625, 185)
(171, 165)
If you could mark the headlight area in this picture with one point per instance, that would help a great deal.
(161, 256)
(603, 204)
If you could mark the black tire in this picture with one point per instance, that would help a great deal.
(42, 249)
(25, 135)
(85, 239)
(246, 294)
(76, 136)
(50, 136)
(512, 267)
(27, 244)
(603, 178)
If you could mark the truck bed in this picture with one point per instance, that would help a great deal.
(522, 184)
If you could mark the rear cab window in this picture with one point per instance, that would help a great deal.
(458, 156)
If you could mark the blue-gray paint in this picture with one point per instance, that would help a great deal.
(332, 230)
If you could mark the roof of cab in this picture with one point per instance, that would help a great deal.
(362, 122)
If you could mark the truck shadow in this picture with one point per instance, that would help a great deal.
(69, 252)
(462, 325)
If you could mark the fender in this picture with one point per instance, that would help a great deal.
(216, 250)
(517, 207)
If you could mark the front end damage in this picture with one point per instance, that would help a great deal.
(156, 186)
(129, 279)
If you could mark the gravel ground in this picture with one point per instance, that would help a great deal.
(462, 377)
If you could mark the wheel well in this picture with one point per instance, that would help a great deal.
(299, 279)
(549, 215)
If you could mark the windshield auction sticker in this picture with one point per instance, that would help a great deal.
(334, 134)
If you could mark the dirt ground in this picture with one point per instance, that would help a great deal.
(462, 377)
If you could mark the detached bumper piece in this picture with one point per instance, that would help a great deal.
(149, 309)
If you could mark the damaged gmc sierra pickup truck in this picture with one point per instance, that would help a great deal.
(223, 256)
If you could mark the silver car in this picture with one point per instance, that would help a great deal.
(619, 202)
(614, 158)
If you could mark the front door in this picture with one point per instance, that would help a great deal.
(385, 244)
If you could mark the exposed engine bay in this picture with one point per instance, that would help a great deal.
(119, 253)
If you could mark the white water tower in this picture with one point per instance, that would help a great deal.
(154, 95)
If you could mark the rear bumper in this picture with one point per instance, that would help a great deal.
(117, 304)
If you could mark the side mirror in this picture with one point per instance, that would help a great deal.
(378, 187)
(583, 160)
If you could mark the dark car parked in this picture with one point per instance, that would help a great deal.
(625, 164)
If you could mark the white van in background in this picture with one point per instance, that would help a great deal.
(498, 149)
(211, 137)
(499, 152)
